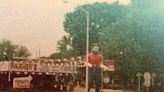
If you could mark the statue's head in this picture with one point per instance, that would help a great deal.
(95, 49)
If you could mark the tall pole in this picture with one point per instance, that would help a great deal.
(147, 89)
(39, 53)
(9, 75)
(102, 76)
(87, 49)
(139, 81)
(139, 84)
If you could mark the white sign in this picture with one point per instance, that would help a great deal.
(110, 64)
(4, 66)
(147, 77)
(139, 74)
(106, 79)
(22, 82)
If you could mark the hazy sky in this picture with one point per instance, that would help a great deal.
(36, 24)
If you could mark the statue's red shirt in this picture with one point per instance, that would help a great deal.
(94, 59)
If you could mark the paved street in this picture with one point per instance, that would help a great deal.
(79, 89)
(82, 89)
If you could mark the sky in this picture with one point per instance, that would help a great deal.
(37, 24)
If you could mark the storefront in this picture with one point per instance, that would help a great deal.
(36, 75)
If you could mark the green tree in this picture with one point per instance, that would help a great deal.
(135, 29)
(6, 50)
(139, 35)
(65, 48)
(101, 15)
(64, 43)
(55, 56)
(22, 51)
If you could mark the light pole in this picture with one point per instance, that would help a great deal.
(87, 42)
(87, 49)
(139, 81)
(153, 81)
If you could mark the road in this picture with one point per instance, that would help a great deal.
(80, 89)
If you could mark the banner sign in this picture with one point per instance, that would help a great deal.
(22, 82)
(4, 66)
(110, 64)
(38, 66)
(41, 66)
(23, 66)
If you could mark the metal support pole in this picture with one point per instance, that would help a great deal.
(102, 76)
(139, 84)
(9, 71)
(147, 89)
(9, 75)
(87, 48)
(139, 81)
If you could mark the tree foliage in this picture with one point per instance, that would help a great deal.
(22, 51)
(135, 29)
(139, 35)
(65, 49)
(6, 50)
(9, 50)
(100, 16)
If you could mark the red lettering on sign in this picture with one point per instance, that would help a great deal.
(23, 66)
(30, 66)
(110, 62)
(35, 66)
